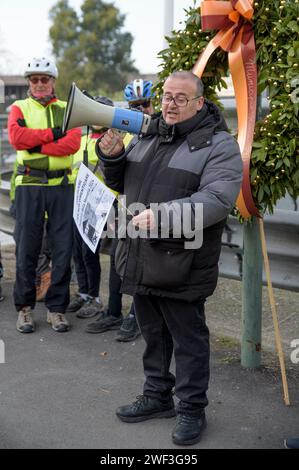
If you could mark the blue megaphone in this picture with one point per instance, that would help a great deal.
(82, 110)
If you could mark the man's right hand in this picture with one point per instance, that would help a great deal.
(111, 143)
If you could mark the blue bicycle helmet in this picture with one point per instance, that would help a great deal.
(138, 90)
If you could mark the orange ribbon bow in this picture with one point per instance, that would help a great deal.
(236, 37)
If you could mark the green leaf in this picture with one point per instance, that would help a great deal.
(278, 164)
(253, 174)
(286, 161)
(267, 189)
(260, 194)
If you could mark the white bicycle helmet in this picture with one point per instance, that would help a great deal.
(42, 65)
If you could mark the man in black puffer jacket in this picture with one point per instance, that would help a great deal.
(186, 159)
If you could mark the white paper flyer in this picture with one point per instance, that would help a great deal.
(93, 202)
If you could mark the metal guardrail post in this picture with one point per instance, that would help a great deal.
(251, 296)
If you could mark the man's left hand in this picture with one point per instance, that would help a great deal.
(145, 220)
(36, 149)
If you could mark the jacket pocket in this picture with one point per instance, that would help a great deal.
(166, 264)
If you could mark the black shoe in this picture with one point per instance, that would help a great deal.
(145, 408)
(129, 329)
(188, 429)
(104, 323)
(75, 304)
(292, 443)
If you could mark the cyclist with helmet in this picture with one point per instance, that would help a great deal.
(44, 185)
(138, 93)
(87, 301)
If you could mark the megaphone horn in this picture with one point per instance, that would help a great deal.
(81, 110)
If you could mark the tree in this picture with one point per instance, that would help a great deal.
(91, 49)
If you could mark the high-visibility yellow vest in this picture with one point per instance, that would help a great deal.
(127, 139)
(93, 161)
(38, 116)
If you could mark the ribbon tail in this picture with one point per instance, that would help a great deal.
(203, 59)
(244, 76)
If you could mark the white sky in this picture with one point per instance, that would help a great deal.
(24, 29)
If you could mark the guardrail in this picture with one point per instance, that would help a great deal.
(6, 221)
(282, 235)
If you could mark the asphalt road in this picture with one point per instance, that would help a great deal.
(60, 391)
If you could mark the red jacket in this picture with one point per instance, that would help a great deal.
(22, 138)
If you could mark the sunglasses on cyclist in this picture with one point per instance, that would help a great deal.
(144, 104)
(43, 80)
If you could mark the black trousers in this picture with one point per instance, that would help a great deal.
(115, 296)
(169, 326)
(87, 266)
(31, 204)
(44, 259)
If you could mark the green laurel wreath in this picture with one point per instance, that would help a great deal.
(275, 156)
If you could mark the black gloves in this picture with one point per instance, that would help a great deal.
(36, 149)
(21, 122)
(57, 133)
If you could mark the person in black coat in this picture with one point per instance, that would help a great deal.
(185, 175)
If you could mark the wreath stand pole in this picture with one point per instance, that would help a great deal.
(251, 317)
(274, 313)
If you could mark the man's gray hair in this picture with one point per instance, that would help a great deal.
(186, 75)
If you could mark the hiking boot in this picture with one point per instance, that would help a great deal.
(75, 304)
(129, 329)
(188, 429)
(25, 322)
(104, 323)
(43, 285)
(145, 408)
(58, 321)
(90, 308)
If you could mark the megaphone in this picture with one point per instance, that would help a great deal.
(81, 110)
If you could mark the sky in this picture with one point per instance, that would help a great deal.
(24, 27)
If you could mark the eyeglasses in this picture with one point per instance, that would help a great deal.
(179, 100)
(138, 105)
(43, 80)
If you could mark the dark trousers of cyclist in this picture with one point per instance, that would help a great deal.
(87, 266)
(44, 259)
(32, 202)
(115, 297)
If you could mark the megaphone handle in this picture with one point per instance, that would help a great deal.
(114, 141)
(85, 157)
(85, 151)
